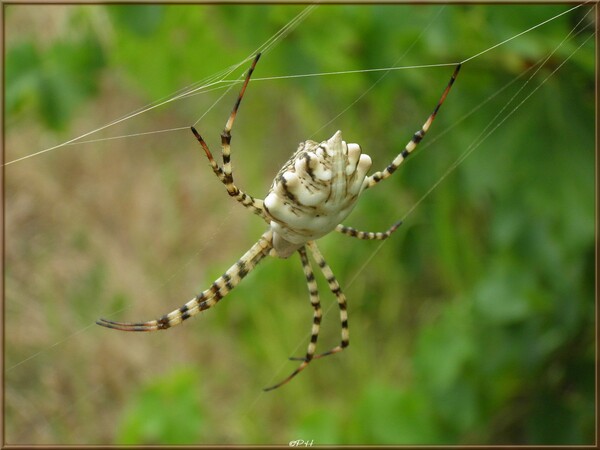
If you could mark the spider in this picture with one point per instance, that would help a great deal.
(309, 197)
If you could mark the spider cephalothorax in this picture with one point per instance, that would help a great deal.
(313, 192)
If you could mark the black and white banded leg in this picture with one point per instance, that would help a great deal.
(335, 288)
(309, 197)
(225, 173)
(313, 292)
(208, 298)
(412, 144)
(367, 235)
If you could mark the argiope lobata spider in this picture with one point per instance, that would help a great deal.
(312, 193)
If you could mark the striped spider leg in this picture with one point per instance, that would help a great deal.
(310, 196)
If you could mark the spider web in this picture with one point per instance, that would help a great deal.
(226, 82)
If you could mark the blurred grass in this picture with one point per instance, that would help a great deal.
(474, 324)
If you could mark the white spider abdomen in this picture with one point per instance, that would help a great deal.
(314, 191)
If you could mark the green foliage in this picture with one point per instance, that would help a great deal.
(167, 411)
(140, 20)
(389, 416)
(54, 79)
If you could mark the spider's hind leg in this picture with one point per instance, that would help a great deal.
(367, 235)
(224, 173)
(372, 180)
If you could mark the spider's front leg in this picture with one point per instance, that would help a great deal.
(335, 288)
(208, 298)
(313, 292)
(412, 144)
(225, 173)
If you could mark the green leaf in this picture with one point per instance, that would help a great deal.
(22, 76)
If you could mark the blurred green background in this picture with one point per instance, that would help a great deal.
(473, 324)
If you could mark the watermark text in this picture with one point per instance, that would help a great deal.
(301, 443)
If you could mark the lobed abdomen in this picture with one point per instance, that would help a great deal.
(315, 191)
